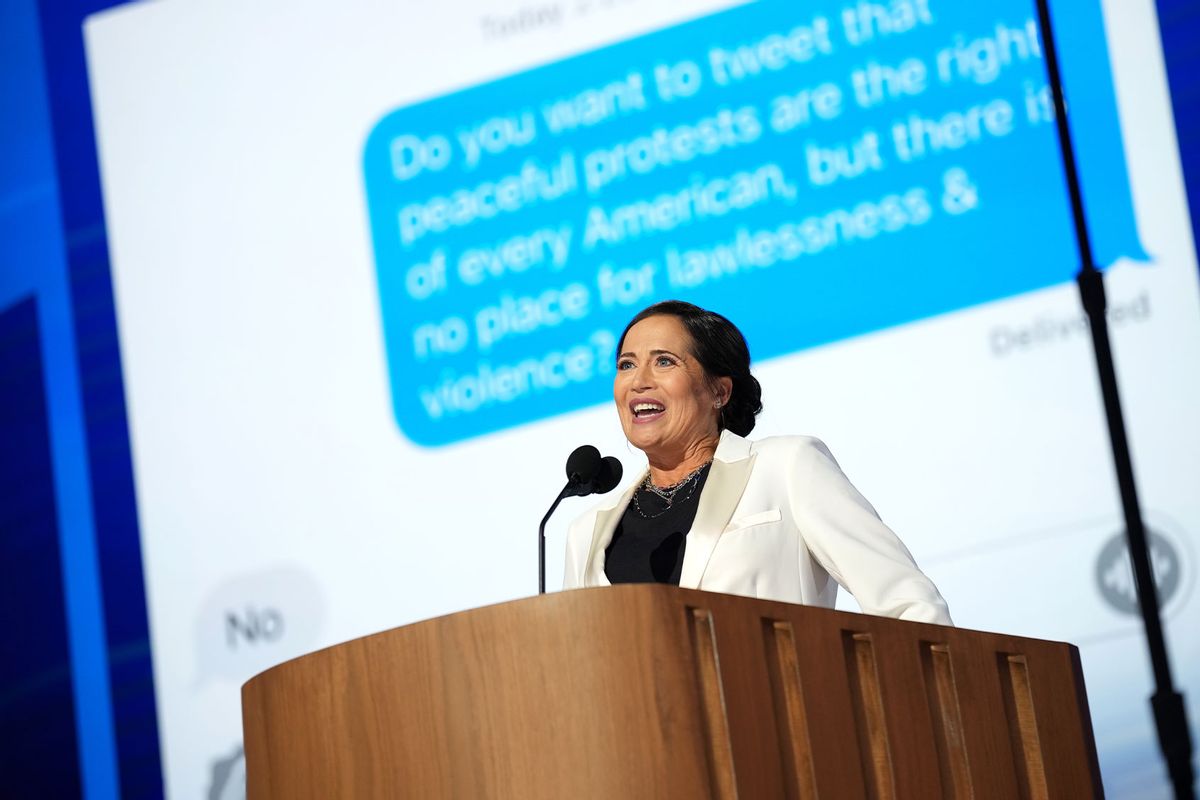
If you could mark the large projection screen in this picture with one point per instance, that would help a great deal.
(370, 260)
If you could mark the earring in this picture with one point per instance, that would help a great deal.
(717, 404)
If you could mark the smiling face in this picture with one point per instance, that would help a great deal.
(666, 402)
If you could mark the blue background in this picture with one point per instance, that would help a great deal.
(69, 534)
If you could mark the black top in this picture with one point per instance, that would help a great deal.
(648, 544)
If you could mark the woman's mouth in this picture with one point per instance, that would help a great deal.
(646, 410)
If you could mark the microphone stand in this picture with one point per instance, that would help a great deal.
(1170, 714)
(566, 491)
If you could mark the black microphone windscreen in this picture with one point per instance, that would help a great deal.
(610, 474)
(583, 465)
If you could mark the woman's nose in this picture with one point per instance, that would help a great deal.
(643, 378)
(634, 379)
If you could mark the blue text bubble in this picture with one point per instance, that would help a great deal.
(811, 172)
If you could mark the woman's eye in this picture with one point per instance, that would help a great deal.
(664, 361)
(625, 364)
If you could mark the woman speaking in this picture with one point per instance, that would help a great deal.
(774, 518)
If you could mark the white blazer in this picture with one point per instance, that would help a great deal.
(777, 520)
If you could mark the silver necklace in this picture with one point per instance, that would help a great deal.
(668, 494)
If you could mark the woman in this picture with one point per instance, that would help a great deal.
(773, 518)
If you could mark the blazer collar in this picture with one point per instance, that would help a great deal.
(722, 490)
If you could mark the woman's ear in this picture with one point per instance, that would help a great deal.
(723, 388)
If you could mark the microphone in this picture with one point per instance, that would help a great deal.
(610, 474)
(583, 466)
(587, 473)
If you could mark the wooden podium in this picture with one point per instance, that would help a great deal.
(653, 691)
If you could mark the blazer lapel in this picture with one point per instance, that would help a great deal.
(723, 489)
(602, 533)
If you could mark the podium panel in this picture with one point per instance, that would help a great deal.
(655, 691)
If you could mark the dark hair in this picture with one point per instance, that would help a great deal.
(722, 351)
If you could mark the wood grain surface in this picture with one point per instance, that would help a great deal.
(659, 692)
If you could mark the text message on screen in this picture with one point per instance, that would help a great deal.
(813, 173)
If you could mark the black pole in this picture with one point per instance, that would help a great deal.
(1170, 714)
(542, 539)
